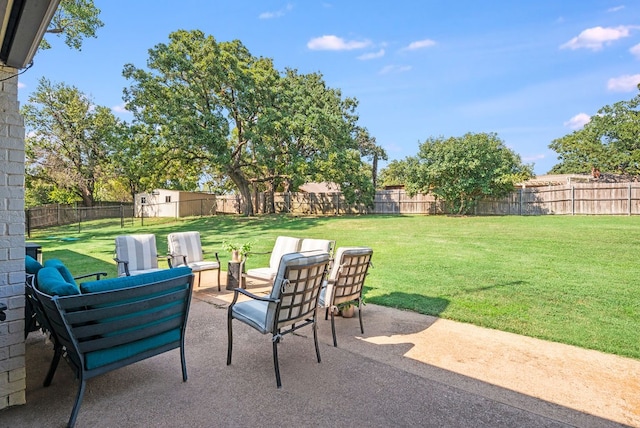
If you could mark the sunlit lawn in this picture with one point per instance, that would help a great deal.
(561, 278)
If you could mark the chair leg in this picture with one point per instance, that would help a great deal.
(229, 337)
(183, 361)
(199, 278)
(57, 353)
(218, 279)
(333, 330)
(326, 313)
(360, 316)
(276, 365)
(315, 339)
(76, 406)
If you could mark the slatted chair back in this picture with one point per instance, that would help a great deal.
(296, 287)
(346, 283)
(348, 273)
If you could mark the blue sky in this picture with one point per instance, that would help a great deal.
(530, 71)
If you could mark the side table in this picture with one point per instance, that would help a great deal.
(234, 275)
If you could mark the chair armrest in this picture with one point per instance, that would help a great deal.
(125, 263)
(172, 256)
(238, 291)
(98, 275)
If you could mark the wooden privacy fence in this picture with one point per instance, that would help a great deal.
(567, 199)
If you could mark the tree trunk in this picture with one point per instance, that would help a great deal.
(244, 188)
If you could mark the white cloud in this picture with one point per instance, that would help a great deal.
(626, 83)
(533, 158)
(595, 38)
(277, 13)
(395, 69)
(615, 8)
(577, 121)
(120, 109)
(21, 85)
(635, 51)
(335, 43)
(420, 44)
(372, 55)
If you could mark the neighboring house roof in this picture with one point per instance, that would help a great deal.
(558, 179)
(323, 187)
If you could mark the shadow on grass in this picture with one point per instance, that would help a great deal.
(413, 302)
(468, 290)
(213, 230)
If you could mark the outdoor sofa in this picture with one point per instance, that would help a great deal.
(100, 326)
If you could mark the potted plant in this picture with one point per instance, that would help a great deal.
(238, 250)
(346, 309)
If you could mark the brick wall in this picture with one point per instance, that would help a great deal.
(12, 344)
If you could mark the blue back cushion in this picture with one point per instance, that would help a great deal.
(51, 282)
(132, 281)
(31, 265)
(57, 264)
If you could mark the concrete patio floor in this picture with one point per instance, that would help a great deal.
(406, 370)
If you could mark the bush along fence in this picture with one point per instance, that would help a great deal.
(568, 199)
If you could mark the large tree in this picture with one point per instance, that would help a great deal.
(218, 106)
(69, 139)
(308, 132)
(609, 142)
(463, 170)
(199, 97)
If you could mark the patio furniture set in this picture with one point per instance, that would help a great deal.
(104, 324)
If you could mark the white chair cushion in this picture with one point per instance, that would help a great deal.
(284, 245)
(186, 244)
(138, 250)
(309, 244)
(265, 274)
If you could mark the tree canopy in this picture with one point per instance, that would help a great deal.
(461, 170)
(69, 140)
(609, 142)
(215, 105)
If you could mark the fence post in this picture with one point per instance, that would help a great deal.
(573, 200)
(520, 191)
(629, 213)
(78, 216)
(121, 216)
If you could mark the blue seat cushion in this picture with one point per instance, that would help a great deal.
(51, 282)
(55, 263)
(253, 313)
(31, 265)
(107, 356)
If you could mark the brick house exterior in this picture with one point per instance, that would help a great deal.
(12, 248)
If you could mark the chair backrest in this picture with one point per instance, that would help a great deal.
(348, 273)
(297, 287)
(284, 245)
(185, 244)
(309, 244)
(138, 250)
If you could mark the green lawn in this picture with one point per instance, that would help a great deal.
(566, 279)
